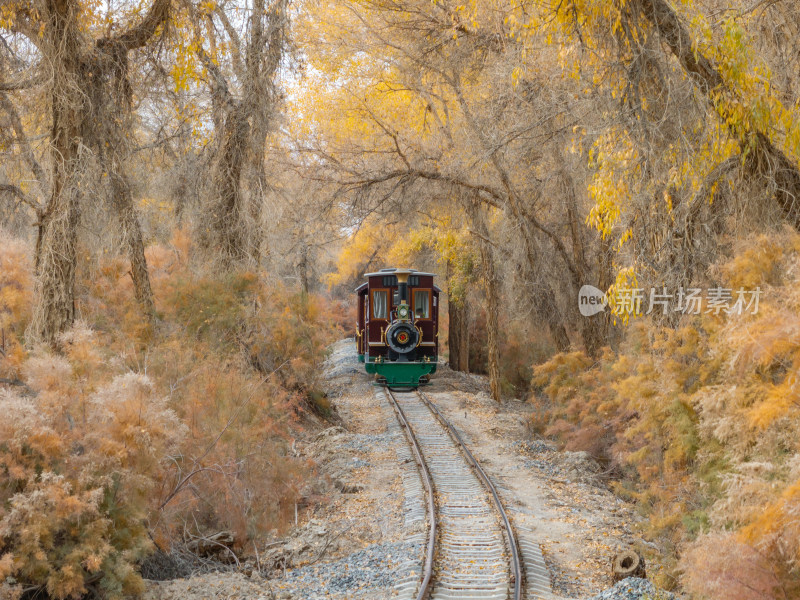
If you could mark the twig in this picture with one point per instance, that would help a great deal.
(328, 541)
(216, 543)
(178, 488)
(17, 382)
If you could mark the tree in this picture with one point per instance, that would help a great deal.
(242, 120)
(660, 188)
(86, 74)
(491, 286)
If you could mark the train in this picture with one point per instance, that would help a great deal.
(397, 333)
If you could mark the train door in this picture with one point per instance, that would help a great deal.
(361, 321)
(423, 310)
(378, 313)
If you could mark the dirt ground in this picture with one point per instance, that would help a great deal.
(361, 540)
(559, 496)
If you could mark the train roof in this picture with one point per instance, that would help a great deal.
(392, 270)
(365, 284)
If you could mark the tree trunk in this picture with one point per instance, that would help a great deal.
(54, 288)
(492, 325)
(76, 93)
(463, 351)
(227, 231)
(627, 564)
(605, 262)
(544, 303)
(132, 234)
(491, 287)
(457, 332)
(257, 174)
(544, 299)
(591, 328)
(304, 268)
(231, 229)
(458, 335)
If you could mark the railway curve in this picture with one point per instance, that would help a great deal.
(472, 548)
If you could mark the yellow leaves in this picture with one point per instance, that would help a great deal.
(626, 235)
(779, 517)
(8, 14)
(207, 6)
(560, 371)
(624, 296)
(777, 403)
(370, 241)
(185, 71)
(614, 158)
(516, 74)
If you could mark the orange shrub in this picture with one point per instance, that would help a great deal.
(16, 286)
(698, 426)
(174, 429)
(718, 565)
(78, 469)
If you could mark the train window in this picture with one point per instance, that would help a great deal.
(413, 280)
(379, 308)
(422, 304)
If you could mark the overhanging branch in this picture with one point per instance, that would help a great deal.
(140, 34)
(491, 196)
(763, 157)
(21, 196)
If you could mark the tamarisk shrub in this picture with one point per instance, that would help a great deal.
(76, 469)
(97, 459)
(698, 426)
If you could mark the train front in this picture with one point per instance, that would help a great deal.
(398, 326)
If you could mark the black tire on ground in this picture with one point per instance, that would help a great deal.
(627, 564)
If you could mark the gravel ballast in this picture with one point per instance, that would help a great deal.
(633, 588)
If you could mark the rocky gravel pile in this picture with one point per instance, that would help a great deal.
(572, 466)
(342, 363)
(362, 573)
(634, 588)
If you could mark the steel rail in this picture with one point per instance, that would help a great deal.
(427, 481)
(516, 567)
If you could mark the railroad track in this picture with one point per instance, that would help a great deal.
(471, 549)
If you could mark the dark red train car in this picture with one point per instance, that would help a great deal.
(397, 335)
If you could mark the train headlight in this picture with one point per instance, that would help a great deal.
(402, 312)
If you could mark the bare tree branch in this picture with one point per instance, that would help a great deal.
(22, 196)
(236, 44)
(27, 152)
(490, 196)
(24, 83)
(140, 34)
